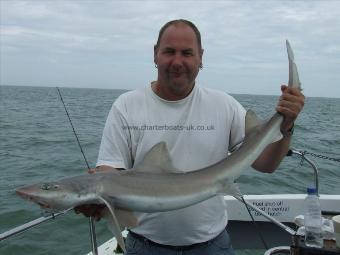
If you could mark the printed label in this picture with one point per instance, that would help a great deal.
(273, 208)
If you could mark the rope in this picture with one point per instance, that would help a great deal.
(321, 156)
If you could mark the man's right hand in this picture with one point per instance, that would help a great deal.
(94, 210)
(91, 210)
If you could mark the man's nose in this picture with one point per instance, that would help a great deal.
(177, 60)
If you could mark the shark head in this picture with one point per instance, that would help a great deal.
(51, 196)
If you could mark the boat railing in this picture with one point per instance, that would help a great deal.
(303, 157)
(297, 246)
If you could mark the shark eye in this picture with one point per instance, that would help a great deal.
(45, 186)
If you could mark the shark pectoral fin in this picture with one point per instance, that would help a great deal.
(252, 122)
(126, 219)
(157, 160)
(114, 226)
(278, 137)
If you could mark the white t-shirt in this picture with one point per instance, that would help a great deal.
(198, 130)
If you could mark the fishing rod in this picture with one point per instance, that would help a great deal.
(31, 224)
(94, 245)
(74, 131)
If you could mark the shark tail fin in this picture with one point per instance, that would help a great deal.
(294, 80)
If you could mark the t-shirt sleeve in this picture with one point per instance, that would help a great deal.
(115, 147)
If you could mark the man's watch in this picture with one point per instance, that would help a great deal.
(288, 132)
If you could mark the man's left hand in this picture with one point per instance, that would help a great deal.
(290, 105)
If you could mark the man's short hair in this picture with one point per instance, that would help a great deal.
(178, 21)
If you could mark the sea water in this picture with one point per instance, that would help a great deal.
(37, 144)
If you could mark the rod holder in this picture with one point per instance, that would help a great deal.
(94, 245)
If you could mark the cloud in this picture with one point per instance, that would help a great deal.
(244, 41)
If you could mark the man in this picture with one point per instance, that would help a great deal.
(199, 125)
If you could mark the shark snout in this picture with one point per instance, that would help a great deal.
(28, 193)
(24, 192)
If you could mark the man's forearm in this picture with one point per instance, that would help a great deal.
(271, 157)
(104, 168)
(290, 105)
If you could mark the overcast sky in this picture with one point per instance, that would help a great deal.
(109, 44)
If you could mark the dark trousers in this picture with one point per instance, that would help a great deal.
(139, 245)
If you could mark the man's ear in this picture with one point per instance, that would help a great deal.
(201, 53)
(155, 50)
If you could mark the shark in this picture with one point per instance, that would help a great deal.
(155, 185)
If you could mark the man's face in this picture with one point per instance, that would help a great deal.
(178, 58)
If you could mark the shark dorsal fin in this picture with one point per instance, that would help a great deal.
(252, 122)
(157, 160)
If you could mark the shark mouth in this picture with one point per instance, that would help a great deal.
(28, 196)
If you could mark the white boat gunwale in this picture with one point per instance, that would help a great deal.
(283, 207)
